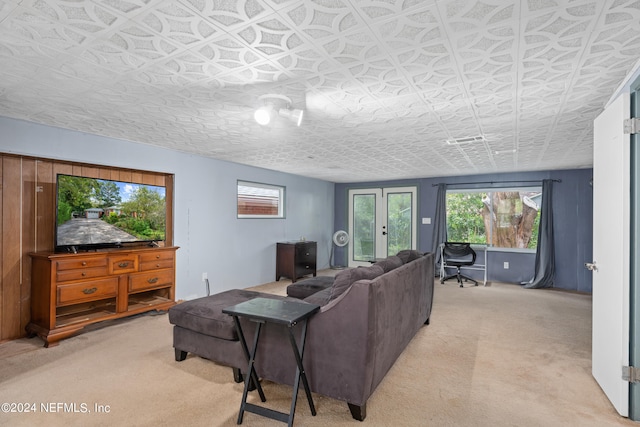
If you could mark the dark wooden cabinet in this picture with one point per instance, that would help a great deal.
(295, 259)
(71, 291)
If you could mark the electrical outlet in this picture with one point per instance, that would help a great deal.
(506, 265)
(204, 276)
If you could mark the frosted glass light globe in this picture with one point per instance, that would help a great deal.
(263, 116)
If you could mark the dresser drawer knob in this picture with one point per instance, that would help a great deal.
(157, 256)
(89, 291)
(84, 263)
(152, 280)
(123, 264)
(84, 274)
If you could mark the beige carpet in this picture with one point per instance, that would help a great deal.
(492, 356)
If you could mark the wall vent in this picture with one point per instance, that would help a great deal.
(466, 140)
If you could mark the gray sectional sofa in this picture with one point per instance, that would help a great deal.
(367, 318)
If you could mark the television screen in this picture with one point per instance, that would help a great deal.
(98, 213)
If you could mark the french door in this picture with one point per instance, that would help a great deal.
(382, 221)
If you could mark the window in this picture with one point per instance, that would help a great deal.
(502, 217)
(260, 200)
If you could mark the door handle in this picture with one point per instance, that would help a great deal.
(384, 233)
(591, 266)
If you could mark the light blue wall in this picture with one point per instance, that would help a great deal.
(235, 253)
(573, 224)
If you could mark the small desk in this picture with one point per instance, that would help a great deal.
(286, 313)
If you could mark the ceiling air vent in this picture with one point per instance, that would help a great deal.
(466, 140)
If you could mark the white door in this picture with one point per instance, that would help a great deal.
(611, 213)
(382, 221)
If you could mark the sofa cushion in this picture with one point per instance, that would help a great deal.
(390, 263)
(204, 315)
(310, 286)
(408, 255)
(319, 298)
(345, 278)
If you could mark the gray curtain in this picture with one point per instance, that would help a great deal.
(439, 224)
(545, 266)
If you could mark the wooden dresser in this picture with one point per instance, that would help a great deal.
(71, 291)
(295, 259)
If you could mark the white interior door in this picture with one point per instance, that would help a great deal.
(611, 216)
(382, 221)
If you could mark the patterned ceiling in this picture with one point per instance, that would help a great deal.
(384, 83)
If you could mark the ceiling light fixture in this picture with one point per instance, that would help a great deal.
(280, 105)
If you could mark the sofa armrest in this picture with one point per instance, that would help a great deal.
(340, 358)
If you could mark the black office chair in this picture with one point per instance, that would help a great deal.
(456, 254)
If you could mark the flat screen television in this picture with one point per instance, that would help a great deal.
(98, 213)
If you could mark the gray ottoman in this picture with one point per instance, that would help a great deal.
(310, 286)
(201, 328)
(204, 315)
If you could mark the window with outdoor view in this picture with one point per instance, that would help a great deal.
(503, 218)
(260, 200)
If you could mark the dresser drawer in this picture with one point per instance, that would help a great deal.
(304, 269)
(72, 264)
(123, 264)
(156, 255)
(151, 280)
(87, 291)
(81, 273)
(155, 265)
(306, 253)
(156, 260)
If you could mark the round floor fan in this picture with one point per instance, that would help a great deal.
(340, 239)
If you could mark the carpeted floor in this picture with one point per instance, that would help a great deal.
(492, 356)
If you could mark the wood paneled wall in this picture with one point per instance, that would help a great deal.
(27, 221)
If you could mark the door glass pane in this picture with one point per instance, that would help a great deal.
(398, 222)
(364, 225)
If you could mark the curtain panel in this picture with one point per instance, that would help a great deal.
(439, 223)
(545, 265)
